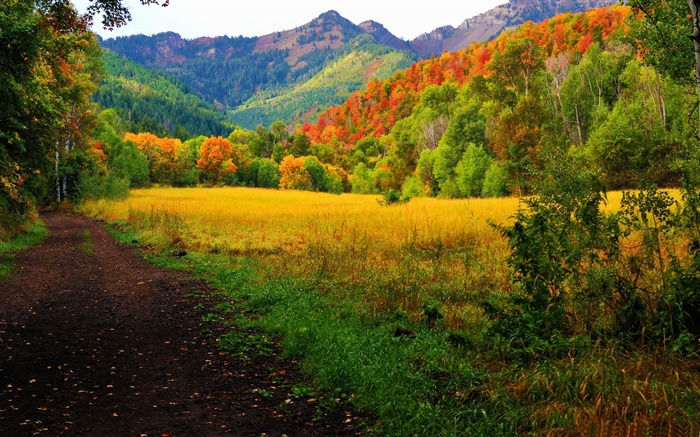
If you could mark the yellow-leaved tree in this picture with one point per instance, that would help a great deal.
(215, 159)
(294, 175)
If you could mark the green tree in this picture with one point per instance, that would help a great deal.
(334, 183)
(278, 131)
(495, 181)
(405, 143)
(517, 65)
(268, 174)
(467, 127)
(361, 181)
(591, 87)
(130, 164)
(671, 41)
(300, 144)
(471, 170)
(317, 173)
(638, 140)
(425, 172)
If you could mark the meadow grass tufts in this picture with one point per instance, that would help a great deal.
(384, 305)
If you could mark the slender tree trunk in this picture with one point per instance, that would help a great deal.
(694, 6)
(578, 126)
(58, 178)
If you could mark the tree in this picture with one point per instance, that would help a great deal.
(467, 127)
(215, 159)
(362, 180)
(637, 141)
(495, 181)
(518, 63)
(128, 163)
(293, 174)
(268, 174)
(47, 68)
(114, 13)
(472, 169)
(670, 40)
(278, 130)
(317, 173)
(48, 71)
(300, 144)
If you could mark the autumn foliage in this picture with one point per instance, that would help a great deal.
(215, 161)
(374, 111)
(294, 175)
(166, 160)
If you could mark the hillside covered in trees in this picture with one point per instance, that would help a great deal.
(483, 121)
(491, 114)
(150, 101)
(294, 74)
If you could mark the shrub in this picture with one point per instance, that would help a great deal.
(392, 197)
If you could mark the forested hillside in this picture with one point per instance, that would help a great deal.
(490, 114)
(274, 76)
(349, 69)
(228, 70)
(149, 101)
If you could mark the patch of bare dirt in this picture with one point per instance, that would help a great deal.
(95, 341)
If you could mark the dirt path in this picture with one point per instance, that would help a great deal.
(94, 341)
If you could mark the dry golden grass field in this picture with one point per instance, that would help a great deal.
(397, 257)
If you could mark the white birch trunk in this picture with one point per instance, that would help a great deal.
(694, 5)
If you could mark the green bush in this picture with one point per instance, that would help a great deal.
(392, 197)
(190, 178)
(411, 188)
(96, 186)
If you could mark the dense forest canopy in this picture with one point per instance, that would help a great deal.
(483, 121)
(150, 101)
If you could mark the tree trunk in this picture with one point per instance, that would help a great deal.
(694, 6)
(58, 179)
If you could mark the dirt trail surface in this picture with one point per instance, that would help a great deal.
(95, 342)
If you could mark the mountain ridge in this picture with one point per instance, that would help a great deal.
(231, 72)
(485, 26)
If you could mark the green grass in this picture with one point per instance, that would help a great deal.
(413, 385)
(88, 245)
(34, 234)
(416, 377)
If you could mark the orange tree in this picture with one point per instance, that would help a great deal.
(215, 161)
(294, 175)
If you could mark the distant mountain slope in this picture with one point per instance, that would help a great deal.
(375, 110)
(488, 25)
(383, 36)
(258, 79)
(359, 61)
(151, 101)
(228, 71)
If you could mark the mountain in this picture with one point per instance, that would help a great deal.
(277, 76)
(152, 101)
(228, 71)
(383, 36)
(488, 25)
(361, 59)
